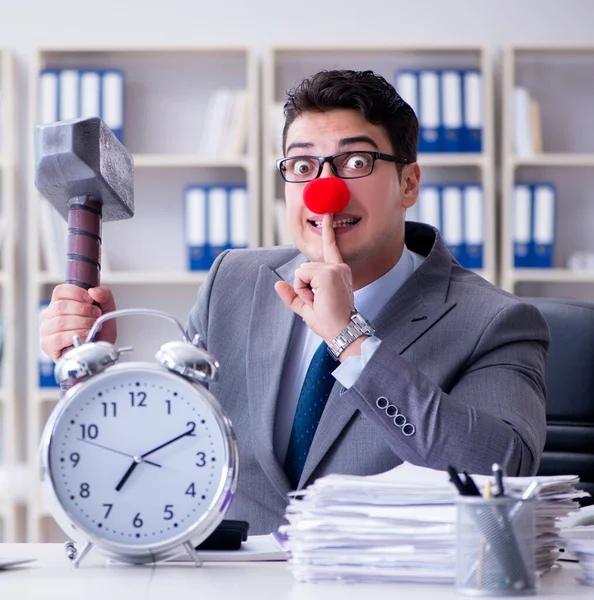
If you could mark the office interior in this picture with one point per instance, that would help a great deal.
(267, 46)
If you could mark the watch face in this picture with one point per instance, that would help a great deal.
(138, 456)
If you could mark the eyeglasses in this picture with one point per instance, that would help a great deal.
(346, 165)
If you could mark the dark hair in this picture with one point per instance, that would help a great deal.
(364, 91)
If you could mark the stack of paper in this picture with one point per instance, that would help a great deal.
(400, 525)
(580, 544)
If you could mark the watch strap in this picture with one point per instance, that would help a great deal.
(357, 327)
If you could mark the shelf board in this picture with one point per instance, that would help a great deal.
(157, 50)
(452, 159)
(48, 394)
(168, 161)
(552, 276)
(554, 160)
(374, 48)
(136, 277)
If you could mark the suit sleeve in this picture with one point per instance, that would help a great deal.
(494, 411)
(198, 317)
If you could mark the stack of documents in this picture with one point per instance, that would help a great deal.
(400, 525)
(580, 544)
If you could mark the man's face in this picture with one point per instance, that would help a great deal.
(372, 241)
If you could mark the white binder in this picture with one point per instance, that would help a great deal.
(522, 225)
(90, 94)
(429, 206)
(451, 210)
(238, 201)
(69, 96)
(48, 97)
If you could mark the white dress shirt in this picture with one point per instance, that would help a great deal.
(369, 301)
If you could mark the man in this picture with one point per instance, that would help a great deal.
(452, 375)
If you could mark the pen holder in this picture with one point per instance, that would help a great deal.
(495, 546)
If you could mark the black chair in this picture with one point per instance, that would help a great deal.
(569, 447)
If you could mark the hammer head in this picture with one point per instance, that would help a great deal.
(84, 158)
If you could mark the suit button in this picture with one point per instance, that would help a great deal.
(408, 429)
(382, 402)
(391, 411)
(400, 420)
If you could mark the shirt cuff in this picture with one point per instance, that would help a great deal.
(348, 371)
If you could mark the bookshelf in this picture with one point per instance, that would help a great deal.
(11, 492)
(556, 76)
(287, 65)
(166, 114)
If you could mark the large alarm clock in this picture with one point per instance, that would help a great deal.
(138, 459)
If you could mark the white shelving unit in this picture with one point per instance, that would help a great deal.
(11, 504)
(558, 78)
(166, 97)
(287, 65)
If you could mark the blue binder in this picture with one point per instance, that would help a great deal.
(49, 96)
(69, 97)
(522, 223)
(112, 101)
(452, 219)
(45, 363)
(429, 205)
(407, 86)
(451, 111)
(474, 236)
(90, 86)
(239, 225)
(543, 225)
(218, 222)
(429, 111)
(195, 211)
(472, 102)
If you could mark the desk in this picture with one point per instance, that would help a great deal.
(52, 576)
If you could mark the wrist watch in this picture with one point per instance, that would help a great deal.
(358, 326)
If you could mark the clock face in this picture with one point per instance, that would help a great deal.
(140, 457)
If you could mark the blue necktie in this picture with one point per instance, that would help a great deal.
(310, 406)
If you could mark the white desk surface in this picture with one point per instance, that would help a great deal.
(52, 576)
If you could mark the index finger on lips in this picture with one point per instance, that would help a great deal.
(329, 246)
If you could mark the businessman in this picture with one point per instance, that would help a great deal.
(366, 344)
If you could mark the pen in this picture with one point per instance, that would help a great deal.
(471, 486)
(498, 475)
(455, 479)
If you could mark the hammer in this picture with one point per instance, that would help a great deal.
(88, 175)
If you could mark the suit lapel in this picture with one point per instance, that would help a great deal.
(269, 333)
(408, 315)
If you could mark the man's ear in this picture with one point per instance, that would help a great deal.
(410, 182)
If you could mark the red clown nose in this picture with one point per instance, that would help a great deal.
(326, 195)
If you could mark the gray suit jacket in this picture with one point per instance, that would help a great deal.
(462, 360)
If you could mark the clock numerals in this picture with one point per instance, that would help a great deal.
(74, 457)
(137, 521)
(85, 490)
(137, 399)
(89, 431)
(168, 402)
(110, 409)
(192, 427)
(201, 456)
(168, 512)
(109, 507)
(191, 491)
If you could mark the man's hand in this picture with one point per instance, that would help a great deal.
(72, 312)
(322, 294)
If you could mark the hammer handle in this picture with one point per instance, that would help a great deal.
(83, 267)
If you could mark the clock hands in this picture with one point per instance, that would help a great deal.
(138, 459)
(184, 434)
(150, 462)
